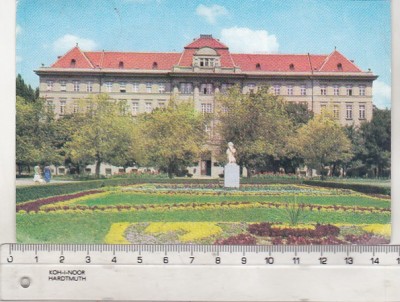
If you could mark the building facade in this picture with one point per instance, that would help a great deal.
(205, 68)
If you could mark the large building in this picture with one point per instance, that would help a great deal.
(206, 67)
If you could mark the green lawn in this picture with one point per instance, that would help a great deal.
(137, 199)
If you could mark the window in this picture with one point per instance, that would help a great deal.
(277, 89)
(362, 90)
(349, 90)
(73, 63)
(206, 88)
(349, 112)
(340, 67)
(251, 87)
(63, 85)
(323, 107)
(291, 67)
(303, 90)
(155, 65)
(225, 87)
(76, 86)
(335, 89)
(50, 105)
(186, 88)
(89, 86)
(161, 103)
(135, 107)
(148, 106)
(336, 111)
(50, 85)
(75, 108)
(206, 108)
(207, 62)
(135, 87)
(207, 129)
(161, 88)
(121, 65)
(148, 87)
(109, 86)
(62, 107)
(122, 87)
(362, 111)
(290, 90)
(258, 66)
(323, 89)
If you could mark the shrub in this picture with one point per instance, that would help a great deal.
(363, 188)
(53, 189)
(241, 239)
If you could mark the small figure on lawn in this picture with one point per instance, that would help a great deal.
(47, 174)
(231, 151)
(37, 177)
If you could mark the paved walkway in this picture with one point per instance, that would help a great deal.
(29, 182)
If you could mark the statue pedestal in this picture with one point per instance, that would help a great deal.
(232, 176)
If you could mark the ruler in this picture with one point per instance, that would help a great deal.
(199, 272)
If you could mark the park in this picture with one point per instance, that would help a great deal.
(347, 201)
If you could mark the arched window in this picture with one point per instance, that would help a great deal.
(155, 65)
(258, 66)
(291, 66)
(73, 63)
(121, 65)
(339, 66)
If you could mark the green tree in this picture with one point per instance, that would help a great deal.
(257, 123)
(377, 140)
(321, 141)
(174, 136)
(25, 91)
(106, 135)
(35, 128)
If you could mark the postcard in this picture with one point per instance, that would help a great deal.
(226, 123)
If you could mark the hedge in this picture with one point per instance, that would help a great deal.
(363, 188)
(41, 191)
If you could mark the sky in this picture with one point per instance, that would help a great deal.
(359, 29)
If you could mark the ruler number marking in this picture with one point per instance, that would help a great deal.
(165, 260)
(375, 260)
(61, 259)
(114, 259)
(296, 260)
(244, 260)
(217, 260)
(349, 260)
(139, 259)
(10, 259)
(191, 259)
(269, 260)
(323, 260)
(88, 259)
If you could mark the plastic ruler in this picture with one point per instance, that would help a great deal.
(199, 272)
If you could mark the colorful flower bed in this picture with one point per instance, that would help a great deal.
(207, 214)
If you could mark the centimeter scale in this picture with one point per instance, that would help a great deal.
(199, 272)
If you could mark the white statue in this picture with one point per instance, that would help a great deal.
(231, 151)
(37, 177)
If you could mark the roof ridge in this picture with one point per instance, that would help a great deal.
(84, 55)
(326, 60)
(58, 59)
(144, 52)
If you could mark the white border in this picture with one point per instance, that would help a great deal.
(7, 121)
(324, 293)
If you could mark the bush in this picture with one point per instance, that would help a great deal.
(363, 188)
(35, 192)
(241, 239)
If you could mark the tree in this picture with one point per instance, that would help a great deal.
(174, 136)
(257, 123)
(35, 128)
(26, 91)
(377, 139)
(106, 135)
(321, 141)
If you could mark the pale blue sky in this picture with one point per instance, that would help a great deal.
(360, 29)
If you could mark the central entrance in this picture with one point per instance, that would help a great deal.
(205, 164)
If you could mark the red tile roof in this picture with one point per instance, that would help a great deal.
(206, 41)
(335, 62)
